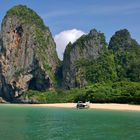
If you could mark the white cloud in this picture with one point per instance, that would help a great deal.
(64, 37)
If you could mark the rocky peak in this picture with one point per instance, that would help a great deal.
(93, 32)
(120, 40)
(28, 53)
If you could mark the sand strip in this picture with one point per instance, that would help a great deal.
(92, 106)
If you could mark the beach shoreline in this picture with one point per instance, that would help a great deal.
(106, 106)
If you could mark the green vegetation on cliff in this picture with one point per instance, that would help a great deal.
(100, 70)
(26, 15)
(127, 55)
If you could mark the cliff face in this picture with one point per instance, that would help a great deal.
(88, 47)
(28, 57)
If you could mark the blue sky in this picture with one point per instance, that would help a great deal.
(107, 16)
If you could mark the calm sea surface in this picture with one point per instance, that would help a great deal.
(41, 123)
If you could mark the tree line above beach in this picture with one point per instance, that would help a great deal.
(118, 92)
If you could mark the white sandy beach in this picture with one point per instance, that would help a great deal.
(92, 106)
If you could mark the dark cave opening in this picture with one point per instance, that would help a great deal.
(19, 30)
(39, 84)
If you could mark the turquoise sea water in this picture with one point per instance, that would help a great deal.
(41, 123)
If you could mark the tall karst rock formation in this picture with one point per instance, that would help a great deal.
(90, 60)
(28, 58)
(82, 59)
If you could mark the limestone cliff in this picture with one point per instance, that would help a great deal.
(88, 47)
(28, 57)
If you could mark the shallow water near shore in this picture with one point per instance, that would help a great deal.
(42, 123)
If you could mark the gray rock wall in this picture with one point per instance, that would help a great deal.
(87, 47)
(28, 57)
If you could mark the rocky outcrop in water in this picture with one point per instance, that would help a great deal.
(28, 58)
